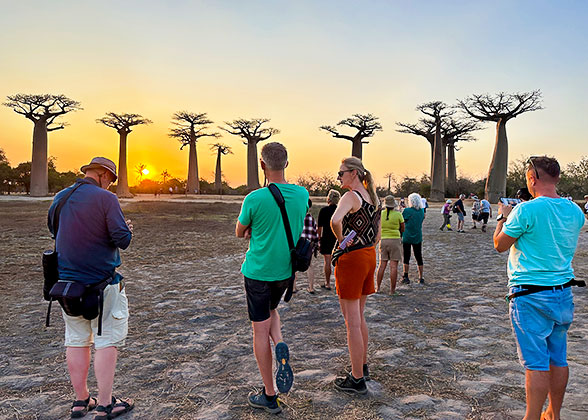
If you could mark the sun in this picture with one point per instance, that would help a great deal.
(145, 171)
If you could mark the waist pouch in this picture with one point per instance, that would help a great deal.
(78, 299)
(531, 288)
(338, 251)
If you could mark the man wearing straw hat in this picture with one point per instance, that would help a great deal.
(90, 230)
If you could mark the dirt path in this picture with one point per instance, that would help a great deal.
(439, 351)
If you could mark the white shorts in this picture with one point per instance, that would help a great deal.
(80, 332)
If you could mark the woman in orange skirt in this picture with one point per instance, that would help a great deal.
(359, 211)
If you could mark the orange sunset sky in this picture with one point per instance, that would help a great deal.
(302, 64)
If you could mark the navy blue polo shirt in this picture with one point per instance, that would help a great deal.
(91, 230)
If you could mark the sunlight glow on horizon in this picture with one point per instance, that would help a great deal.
(304, 73)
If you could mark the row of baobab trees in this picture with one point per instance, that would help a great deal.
(442, 125)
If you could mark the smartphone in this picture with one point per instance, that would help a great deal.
(347, 239)
(510, 201)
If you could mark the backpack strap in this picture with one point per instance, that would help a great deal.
(277, 194)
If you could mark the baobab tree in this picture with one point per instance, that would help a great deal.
(366, 126)
(454, 131)
(251, 133)
(499, 108)
(437, 110)
(122, 123)
(42, 110)
(189, 127)
(220, 149)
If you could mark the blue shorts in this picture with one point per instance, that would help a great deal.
(460, 217)
(540, 322)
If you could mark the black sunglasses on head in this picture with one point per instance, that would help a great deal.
(530, 161)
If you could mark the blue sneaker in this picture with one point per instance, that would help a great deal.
(269, 404)
(284, 375)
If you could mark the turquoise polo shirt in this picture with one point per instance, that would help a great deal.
(546, 231)
(268, 257)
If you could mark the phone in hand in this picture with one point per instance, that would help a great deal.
(347, 239)
(510, 201)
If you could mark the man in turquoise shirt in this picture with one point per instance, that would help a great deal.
(268, 269)
(542, 235)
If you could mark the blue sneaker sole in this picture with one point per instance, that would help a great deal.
(284, 375)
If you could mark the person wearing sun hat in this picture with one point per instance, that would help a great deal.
(391, 228)
(89, 231)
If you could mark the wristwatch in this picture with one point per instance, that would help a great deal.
(500, 217)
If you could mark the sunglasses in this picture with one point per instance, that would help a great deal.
(530, 161)
(340, 173)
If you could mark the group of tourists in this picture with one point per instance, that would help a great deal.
(541, 234)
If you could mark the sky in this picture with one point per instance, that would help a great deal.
(301, 64)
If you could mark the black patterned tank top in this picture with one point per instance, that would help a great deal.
(365, 223)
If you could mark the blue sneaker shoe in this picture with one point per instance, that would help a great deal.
(269, 404)
(284, 375)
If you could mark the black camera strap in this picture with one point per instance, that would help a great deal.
(53, 222)
(277, 194)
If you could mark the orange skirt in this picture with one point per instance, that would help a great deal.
(354, 273)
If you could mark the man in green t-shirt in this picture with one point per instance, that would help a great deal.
(268, 269)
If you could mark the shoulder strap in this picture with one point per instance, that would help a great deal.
(277, 194)
(58, 208)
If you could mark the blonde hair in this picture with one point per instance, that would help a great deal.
(365, 176)
(334, 196)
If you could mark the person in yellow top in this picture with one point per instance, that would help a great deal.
(391, 227)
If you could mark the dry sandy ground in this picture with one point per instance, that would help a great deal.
(442, 351)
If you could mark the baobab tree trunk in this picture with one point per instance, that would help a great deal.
(39, 174)
(193, 184)
(438, 175)
(122, 186)
(252, 172)
(217, 173)
(496, 182)
(451, 170)
(357, 149)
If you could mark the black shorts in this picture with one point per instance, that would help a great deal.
(327, 246)
(483, 217)
(263, 296)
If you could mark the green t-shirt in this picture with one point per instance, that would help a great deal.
(268, 256)
(413, 225)
(391, 227)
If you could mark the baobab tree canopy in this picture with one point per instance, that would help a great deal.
(499, 108)
(188, 128)
(122, 123)
(43, 110)
(251, 132)
(366, 126)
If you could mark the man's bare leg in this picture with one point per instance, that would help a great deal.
(104, 366)
(558, 381)
(263, 351)
(78, 364)
(536, 388)
(327, 270)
